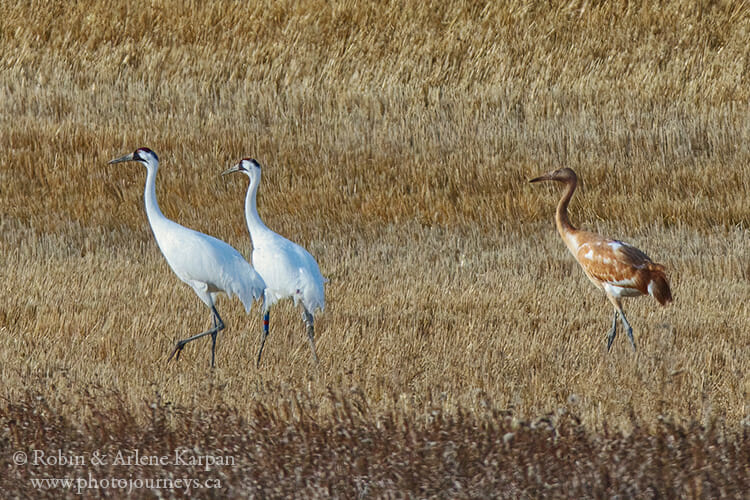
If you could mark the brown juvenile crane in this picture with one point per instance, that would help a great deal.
(613, 266)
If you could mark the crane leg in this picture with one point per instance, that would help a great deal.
(612, 333)
(628, 329)
(266, 320)
(218, 326)
(213, 342)
(309, 321)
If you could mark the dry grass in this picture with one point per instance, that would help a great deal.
(397, 143)
(285, 452)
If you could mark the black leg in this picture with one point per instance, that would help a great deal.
(309, 321)
(612, 332)
(218, 326)
(628, 329)
(266, 319)
(213, 343)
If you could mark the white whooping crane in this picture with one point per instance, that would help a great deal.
(207, 264)
(287, 269)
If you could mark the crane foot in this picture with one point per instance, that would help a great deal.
(177, 350)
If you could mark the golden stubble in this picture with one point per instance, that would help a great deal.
(396, 145)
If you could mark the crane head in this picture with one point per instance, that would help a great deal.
(249, 166)
(143, 155)
(561, 175)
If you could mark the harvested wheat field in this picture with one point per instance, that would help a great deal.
(462, 349)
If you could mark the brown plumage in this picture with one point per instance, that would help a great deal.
(617, 268)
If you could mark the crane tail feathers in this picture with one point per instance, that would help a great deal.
(659, 287)
(250, 292)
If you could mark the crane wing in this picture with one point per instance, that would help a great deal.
(198, 258)
(614, 262)
(289, 271)
(239, 278)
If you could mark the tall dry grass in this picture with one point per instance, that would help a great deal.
(397, 141)
(285, 452)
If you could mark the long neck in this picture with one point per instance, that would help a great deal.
(561, 216)
(254, 224)
(149, 196)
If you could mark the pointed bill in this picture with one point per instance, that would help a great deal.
(545, 177)
(235, 168)
(128, 157)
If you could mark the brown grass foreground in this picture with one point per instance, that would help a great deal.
(285, 452)
(396, 143)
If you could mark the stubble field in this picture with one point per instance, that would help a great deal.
(462, 349)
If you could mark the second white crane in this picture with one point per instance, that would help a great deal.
(287, 269)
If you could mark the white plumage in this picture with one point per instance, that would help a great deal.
(287, 269)
(207, 264)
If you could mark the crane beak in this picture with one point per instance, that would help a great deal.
(545, 177)
(233, 169)
(121, 159)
